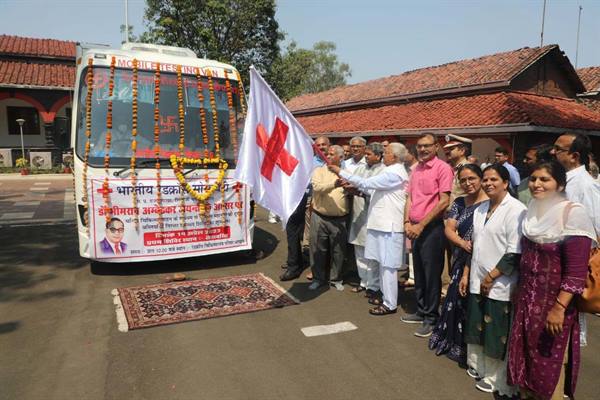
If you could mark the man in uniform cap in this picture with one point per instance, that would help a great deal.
(457, 149)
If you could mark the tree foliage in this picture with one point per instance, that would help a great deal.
(238, 32)
(300, 71)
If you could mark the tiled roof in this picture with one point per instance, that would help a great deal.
(500, 67)
(468, 111)
(590, 77)
(37, 74)
(23, 46)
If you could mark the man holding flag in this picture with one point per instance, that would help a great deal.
(276, 160)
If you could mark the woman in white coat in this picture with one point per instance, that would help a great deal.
(385, 230)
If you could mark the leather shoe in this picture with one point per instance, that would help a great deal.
(288, 276)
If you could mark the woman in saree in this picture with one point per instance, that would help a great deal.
(557, 237)
(447, 337)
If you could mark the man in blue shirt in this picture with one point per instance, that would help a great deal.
(502, 159)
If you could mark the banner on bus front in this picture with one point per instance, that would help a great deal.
(185, 232)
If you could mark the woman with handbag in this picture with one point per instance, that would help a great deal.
(544, 342)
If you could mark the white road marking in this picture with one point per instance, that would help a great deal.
(69, 205)
(16, 215)
(319, 330)
(39, 189)
(26, 203)
(41, 183)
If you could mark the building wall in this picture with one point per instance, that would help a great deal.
(7, 140)
(545, 77)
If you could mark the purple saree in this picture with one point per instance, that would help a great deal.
(535, 358)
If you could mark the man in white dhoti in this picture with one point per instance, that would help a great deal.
(385, 231)
(368, 270)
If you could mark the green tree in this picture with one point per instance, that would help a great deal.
(300, 71)
(238, 32)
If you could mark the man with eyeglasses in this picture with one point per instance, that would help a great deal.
(429, 190)
(112, 243)
(572, 151)
(357, 148)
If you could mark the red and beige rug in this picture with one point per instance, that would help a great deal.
(170, 303)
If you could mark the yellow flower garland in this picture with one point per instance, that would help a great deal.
(177, 164)
(232, 123)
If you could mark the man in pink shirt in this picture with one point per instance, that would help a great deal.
(428, 197)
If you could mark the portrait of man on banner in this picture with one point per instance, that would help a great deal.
(113, 241)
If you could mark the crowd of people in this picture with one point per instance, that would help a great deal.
(516, 250)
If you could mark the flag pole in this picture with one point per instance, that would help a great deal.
(320, 154)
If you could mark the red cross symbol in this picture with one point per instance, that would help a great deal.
(102, 191)
(275, 154)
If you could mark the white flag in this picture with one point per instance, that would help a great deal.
(276, 156)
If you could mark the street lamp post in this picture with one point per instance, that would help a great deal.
(21, 121)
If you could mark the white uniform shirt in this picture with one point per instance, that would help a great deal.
(350, 165)
(500, 235)
(583, 189)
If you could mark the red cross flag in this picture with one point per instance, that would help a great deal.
(276, 156)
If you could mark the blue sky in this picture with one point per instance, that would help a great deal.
(377, 37)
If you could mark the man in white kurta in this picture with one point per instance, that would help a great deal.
(357, 234)
(385, 231)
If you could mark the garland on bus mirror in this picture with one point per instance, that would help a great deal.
(88, 135)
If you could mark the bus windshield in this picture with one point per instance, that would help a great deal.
(120, 149)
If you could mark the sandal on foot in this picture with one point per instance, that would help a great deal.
(357, 289)
(381, 310)
(376, 301)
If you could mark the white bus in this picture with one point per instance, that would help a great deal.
(155, 135)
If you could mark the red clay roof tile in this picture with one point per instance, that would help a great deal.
(590, 77)
(16, 45)
(483, 70)
(37, 74)
(468, 111)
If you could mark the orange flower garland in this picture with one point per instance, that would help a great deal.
(232, 123)
(157, 143)
(202, 112)
(213, 106)
(105, 187)
(134, 120)
(181, 133)
(241, 91)
(88, 135)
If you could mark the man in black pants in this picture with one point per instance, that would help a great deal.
(428, 197)
(294, 231)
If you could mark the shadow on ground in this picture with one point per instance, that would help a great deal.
(30, 256)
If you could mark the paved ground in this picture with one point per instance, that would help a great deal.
(59, 337)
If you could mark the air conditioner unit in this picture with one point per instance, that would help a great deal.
(40, 159)
(6, 158)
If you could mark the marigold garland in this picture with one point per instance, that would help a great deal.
(232, 123)
(157, 144)
(213, 106)
(88, 135)
(202, 112)
(134, 120)
(105, 187)
(177, 163)
(241, 92)
(181, 132)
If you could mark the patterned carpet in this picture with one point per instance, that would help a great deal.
(170, 303)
